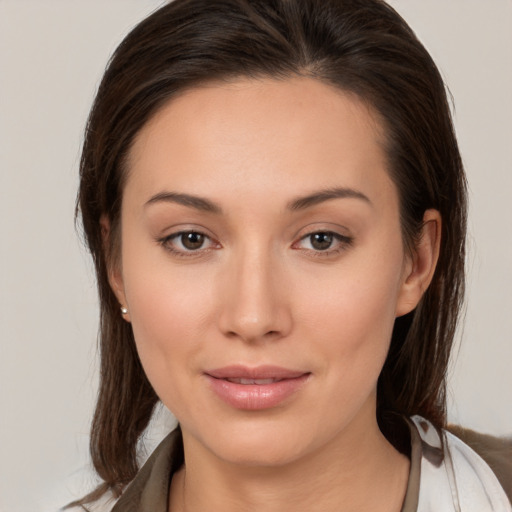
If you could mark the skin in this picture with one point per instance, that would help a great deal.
(259, 291)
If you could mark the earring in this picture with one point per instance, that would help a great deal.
(124, 311)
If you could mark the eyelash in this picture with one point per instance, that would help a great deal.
(343, 242)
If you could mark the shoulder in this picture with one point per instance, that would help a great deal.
(453, 476)
(495, 451)
(149, 489)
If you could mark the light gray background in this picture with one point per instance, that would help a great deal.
(52, 53)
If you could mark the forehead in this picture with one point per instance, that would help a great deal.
(249, 135)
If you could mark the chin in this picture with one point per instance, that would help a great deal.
(271, 452)
(267, 443)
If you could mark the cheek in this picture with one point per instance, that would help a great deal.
(169, 336)
(357, 300)
(353, 317)
(165, 313)
(169, 307)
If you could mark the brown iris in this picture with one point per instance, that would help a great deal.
(192, 240)
(321, 241)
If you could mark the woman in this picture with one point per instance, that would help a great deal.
(275, 202)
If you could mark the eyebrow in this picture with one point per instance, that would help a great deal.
(199, 203)
(301, 203)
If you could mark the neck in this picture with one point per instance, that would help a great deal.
(338, 477)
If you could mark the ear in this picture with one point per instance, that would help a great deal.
(115, 276)
(421, 264)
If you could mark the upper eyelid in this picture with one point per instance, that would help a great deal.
(323, 227)
(174, 231)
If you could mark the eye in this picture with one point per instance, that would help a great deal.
(185, 242)
(325, 242)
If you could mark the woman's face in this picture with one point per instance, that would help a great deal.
(262, 265)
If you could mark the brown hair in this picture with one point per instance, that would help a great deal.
(361, 46)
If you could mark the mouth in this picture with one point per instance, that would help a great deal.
(263, 387)
(259, 382)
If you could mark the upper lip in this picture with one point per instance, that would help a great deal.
(257, 372)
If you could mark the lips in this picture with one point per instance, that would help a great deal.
(263, 387)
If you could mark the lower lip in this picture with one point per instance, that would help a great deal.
(253, 397)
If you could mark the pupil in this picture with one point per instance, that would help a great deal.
(192, 240)
(321, 241)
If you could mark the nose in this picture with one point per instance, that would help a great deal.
(254, 303)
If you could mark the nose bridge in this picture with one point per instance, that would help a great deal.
(253, 308)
